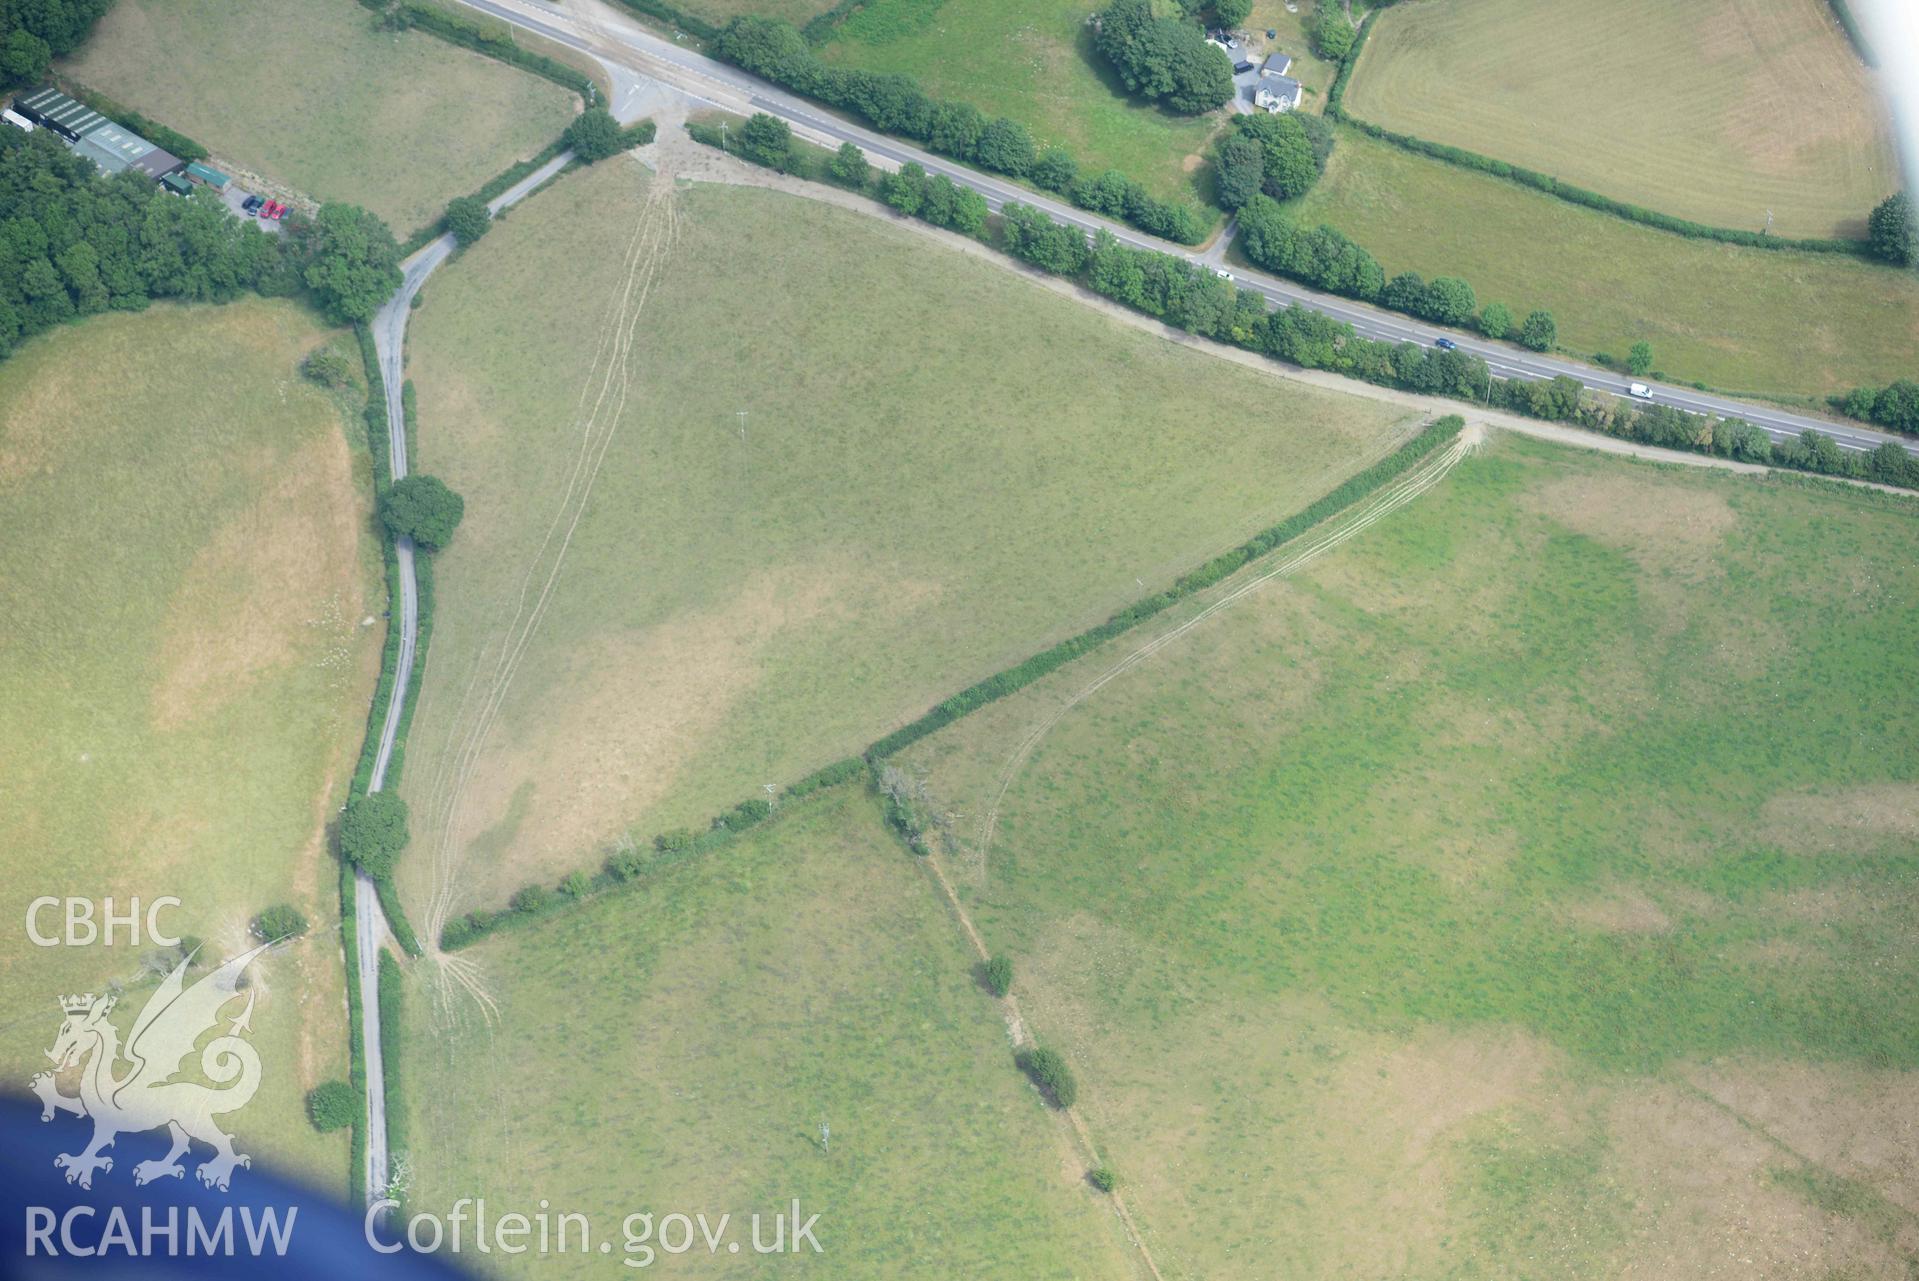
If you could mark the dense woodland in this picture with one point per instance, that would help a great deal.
(74, 243)
(35, 32)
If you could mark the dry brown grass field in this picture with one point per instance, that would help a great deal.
(1717, 111)
(189, 596)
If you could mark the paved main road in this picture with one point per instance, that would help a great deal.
(389, 340)
(626, 48)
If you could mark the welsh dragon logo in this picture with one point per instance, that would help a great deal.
(144, 1096)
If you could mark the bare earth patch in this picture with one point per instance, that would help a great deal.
(1708, 1206)
(245, 597)
(1876, 812)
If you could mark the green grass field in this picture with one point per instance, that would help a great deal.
(940, 468)
(1716, 112)
(312, 95)
(1741, 319)
(1513, 891)
(184, 671)
(677, 1047)
(1034, 63)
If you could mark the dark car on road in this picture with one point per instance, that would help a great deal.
(1445, 344)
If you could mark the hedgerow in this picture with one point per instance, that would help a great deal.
(1551, 186)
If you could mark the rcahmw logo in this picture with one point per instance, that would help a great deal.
(129, 1089)
(83, 1232)
(145, 1096)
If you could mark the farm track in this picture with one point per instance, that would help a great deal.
(597, 414)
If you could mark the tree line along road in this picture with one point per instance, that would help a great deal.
(626, 48)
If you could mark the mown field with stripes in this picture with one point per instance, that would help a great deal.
(1719, 111)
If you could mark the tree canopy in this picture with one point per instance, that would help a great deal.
(73, 243)
(1166, 59)
(1539, 332)
(354, 265)
(1891, 232)
(424, 509)
(35, 32)
(373, 831)
(467, 218)
(594, 135)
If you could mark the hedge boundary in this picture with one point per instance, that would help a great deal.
(491, 188)
(1017, 677)
(393, 1054)
(1571, 193)
(379, 432)
(1850, 25)
(356, 1044)
(630, 864)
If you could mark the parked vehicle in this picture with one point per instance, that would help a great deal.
(1639, 391)
(251, 204)
(279, 212)
(1241, 67)
(1445, 344)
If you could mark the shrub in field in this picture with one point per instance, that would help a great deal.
(998, 973)
(279, 922)
(1639, 358)
(373, 832)
(1005, 145)
(328, 367)
(746, 814)
(674, 840)
(1103, 1178)
(1049, 1072)
(467, 218)
(1896, 405)
(1495, 320)
(593, 136)
(1448, 301)
(531, 899)
(424, 509)
(1292, 154)
(332, 1105)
